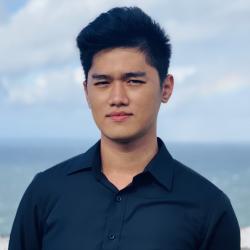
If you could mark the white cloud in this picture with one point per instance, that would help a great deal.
(54, 86)
(3, 14)
(226, 84)
(26, 93)
(199, 21)
(237, 7)
(194, 92)
(40, 34)
(191, 31)
(181, 73)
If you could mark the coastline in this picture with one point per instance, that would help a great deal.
(245, 240)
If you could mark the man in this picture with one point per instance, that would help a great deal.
(126, 192)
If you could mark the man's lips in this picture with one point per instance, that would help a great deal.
(119, 116)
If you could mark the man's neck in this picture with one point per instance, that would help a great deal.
(125, 160)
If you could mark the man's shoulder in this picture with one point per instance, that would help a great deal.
(63, 167)
(58, 172)
(197, 186)
(49, 182)
(209, 201)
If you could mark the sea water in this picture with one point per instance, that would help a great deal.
(226, 165)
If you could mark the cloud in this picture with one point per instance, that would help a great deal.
(3, 14)
(26, 93)
(53, 86)
(181, 73)
(240, 6)
(32, 41)
(228, 83)
(198, 21)
(191, 31)
(189, 91)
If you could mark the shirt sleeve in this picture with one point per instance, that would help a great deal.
(223, 229)
(26, 232)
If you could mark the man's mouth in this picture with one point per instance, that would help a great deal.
(119, 116)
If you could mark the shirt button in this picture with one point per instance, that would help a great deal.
(118, 198)
(111, 236)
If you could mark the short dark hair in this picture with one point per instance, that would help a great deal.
(125, 27)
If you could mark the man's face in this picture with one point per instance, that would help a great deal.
(124, 94)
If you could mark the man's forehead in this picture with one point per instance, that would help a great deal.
(120, 55)
(134, 50)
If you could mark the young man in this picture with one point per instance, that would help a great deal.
(126, 192)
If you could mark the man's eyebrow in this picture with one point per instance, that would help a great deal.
(134, 74)
(124, 76)
(100, 76)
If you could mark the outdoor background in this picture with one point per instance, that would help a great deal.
(44, 118)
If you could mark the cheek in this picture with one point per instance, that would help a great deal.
(147, 105)
(97, 107)
(95, 99)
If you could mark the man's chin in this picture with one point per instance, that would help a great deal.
(124, 139)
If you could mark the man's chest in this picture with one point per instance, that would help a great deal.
(122, 221)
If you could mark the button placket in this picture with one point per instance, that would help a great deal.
(114, 222)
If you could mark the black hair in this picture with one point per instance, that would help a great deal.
(125, 27)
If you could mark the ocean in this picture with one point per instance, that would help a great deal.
(226, 165)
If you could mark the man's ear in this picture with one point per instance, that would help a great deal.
(167, 88)
(86, 93)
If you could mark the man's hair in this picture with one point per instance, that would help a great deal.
(125, 27)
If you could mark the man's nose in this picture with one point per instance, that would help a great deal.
(118, 94)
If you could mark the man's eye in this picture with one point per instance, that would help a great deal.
(103, 83)
(134, 81)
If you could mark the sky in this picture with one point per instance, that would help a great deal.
(41, 94)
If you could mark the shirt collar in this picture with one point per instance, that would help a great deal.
(86, 160)
(161, 166)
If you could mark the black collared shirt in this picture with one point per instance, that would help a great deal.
(168, 206)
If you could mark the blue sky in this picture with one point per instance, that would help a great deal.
(40, 74)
